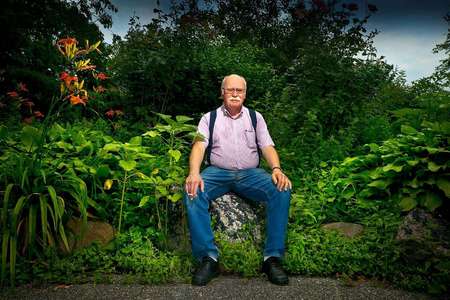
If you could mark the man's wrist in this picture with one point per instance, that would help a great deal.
(277, 168)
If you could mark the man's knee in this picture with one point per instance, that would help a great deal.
(282, 197)
(199, 201)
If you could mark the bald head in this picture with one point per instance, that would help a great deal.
(233, 76)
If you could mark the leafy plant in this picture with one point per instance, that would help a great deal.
(411, 169)
(33, 186)
(169, 177)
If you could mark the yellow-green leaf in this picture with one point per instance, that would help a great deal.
(392, 167)
(143, 201)
(127, 165)
(380, 184)
(176, 154)
(405, 129)
(412, 163)
(444, 185)
(151, 133)
(433, 167)
(408, 203)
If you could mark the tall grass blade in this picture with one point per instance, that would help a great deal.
(43, 207)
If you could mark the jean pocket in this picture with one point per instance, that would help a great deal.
(250, 138)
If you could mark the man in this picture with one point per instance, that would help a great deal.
(234, 160)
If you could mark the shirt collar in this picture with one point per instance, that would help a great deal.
(227, 113)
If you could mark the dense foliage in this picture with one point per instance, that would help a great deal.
(102, 132)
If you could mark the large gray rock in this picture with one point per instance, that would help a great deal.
(421, 236)
(236, 218)
(350, 230)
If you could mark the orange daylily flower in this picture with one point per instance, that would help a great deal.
(38, 114)
(13, 94)
(74, 100)
(22, 87)
(67, 41)
(64, 76)
(102, 76)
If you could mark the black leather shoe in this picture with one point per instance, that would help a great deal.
(272, 267)
(208, 269)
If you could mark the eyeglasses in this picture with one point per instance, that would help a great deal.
(232, 90)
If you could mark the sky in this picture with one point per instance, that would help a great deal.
(408, 29)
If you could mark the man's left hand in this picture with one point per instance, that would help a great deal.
(281, 180)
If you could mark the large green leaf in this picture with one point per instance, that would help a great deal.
(433, 167)
(431, 200)
(408, 203)
(380, 184)
(444, 185)
(162, 190)
(372, 147)
(151, 133)
(112, 147)
(392, 167)
(30, 137)
(136, 140)
(176, 154)
(366, 193)
(349, 161)
(127, 165)
(405, 129)
(183, 119)
(413, 162)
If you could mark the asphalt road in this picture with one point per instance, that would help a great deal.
(223, 287)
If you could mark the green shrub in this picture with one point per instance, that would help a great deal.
(411, 170)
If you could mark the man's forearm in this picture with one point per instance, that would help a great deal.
(196, 158)
(271, 156)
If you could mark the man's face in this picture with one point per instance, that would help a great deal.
(233, 93)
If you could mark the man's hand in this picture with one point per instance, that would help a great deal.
(281, 180)
(193, 181)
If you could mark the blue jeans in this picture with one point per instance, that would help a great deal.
(254, 184)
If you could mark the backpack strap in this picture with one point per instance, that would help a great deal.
(212, 121)
(254, 123)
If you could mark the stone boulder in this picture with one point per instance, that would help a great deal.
(422, 235)
(350, 230)
(236, 218)
(98, 231)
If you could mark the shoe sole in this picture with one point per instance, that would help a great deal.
(203, 283)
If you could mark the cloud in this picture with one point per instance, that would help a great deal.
(410, 52)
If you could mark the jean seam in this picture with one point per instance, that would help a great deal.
(258, 189)
(207, 193)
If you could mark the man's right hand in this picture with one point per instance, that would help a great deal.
(193, 181)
